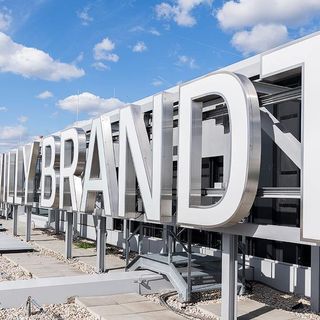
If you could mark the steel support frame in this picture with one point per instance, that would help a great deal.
(127, 237)
(28, 211)
(229, 276)
(69, 235)
(189, 252)
(315, 279)
(101, 244)
(140, 239)
(57, 221)
(15, 220)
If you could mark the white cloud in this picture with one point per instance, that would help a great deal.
(3, 109)
(44, 95)
(248, 13)
(157, 82)
(84, 16)
(187, 61)
(23, 119)
(260, 38)
(100, 66)
(102, 51)
(152, 31)
(139, 47)
(180, 11)
(137, 29)
(5, 19)
(259, 25)
(13, 136)
(90, 103)
(79, 58)
(12, 132)
(33, 63)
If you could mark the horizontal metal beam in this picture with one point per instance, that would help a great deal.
(268, 232)
(279, 193)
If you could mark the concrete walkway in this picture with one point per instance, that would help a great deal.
(51, 242)
(250, 309)
(11, 244)
(125, 306)
(41, 266)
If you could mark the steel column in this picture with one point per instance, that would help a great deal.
(126, 226)
(315, 279)
(28, 223)
(75, 225)
(140, 241)
(165, 238)
(101, 244)
(229, 277)
(189, 280)
(15, 220)
(69, 235)
(169, 244)
(56, 221)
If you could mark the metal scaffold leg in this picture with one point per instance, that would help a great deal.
(229, 277)
(15, 220)
(101, 244)
(315, 278)
(28, 223)
(69, 235)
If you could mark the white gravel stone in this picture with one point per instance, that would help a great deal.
(10, 271)
(260, 293)
(69, 311)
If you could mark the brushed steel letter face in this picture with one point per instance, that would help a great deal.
(151, 164)
(11, 156)
(73, 157)
(5, 177)
(100, 173)
(50, 172)
(2, 177)
(19, 178)
(304, 54)
(30, 158)
(244, 116)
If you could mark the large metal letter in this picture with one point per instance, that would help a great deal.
(100, 173)
(152, 164)
(72, 163)
(11, 156)
(244, 116)
(30, 158)
(19, 178)
(304, 54)
(49, 172)
(2, 177)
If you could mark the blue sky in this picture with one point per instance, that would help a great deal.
(56, 55)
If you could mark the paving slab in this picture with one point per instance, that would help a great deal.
(43, 266)
(250, 309)
(125, 306)
(10, 244)
(50, 241)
